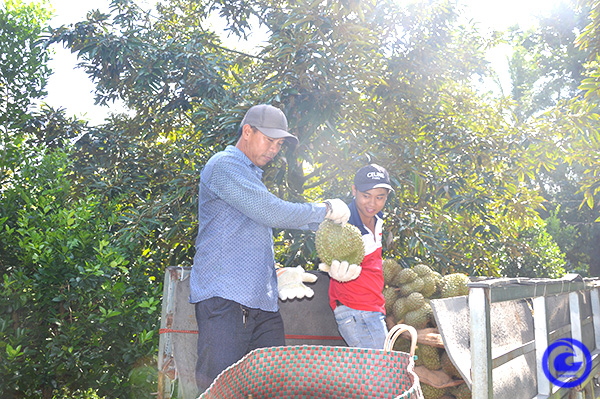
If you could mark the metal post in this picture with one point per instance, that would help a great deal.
(165, 350)
(576, 331)
(595, 300)
(540, 325)
(575, 314)
(481, 345)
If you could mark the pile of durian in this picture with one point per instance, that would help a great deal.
(408, 290)
(407, 294)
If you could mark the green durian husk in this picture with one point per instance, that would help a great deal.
(455, 284)
(336, 242)
(422, 270)
(390, 270)
(430, 392)
(461, 391)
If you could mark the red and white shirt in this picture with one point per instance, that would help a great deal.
(366, 291)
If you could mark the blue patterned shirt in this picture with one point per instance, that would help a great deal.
(234, 247)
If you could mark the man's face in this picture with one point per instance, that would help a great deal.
(261, 149)
(370, 203)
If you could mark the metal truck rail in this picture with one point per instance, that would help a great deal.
(583, 325)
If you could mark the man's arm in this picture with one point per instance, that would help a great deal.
(247, 194)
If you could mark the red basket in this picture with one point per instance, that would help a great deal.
(310, 371)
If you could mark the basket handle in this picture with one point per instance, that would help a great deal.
(395, 332)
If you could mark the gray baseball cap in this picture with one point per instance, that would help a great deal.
(271, 121)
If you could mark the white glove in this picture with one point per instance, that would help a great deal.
(341, 271)
(337, 211)
(290, 283)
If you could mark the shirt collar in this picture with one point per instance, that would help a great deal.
(237, 153)
(355, 217)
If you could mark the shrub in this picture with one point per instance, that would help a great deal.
(76, 309)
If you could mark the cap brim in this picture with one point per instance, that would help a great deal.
(278, 134)
(367, 187)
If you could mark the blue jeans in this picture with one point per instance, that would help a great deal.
(227, 331)
(361, 328)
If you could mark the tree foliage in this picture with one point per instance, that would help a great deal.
(76, 311)
(23, 73)
(23, 69)
(553, 71)
(358, 81)
(586, 137)
(547, 66)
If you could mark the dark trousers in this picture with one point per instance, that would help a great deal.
(227, 331)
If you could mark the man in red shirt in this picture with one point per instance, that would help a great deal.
(356, 292)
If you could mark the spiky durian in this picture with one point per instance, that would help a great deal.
(439, 282)
(455, 284)
(390, 295)
(399, 309)
(402, 345)
(429, 285)
(415, 301)
(430, 392)
(447, 366)
(422, 270)
(390, 270)
(418, 318)
(414, 286)
(461, 391)
(337, 242)
(428, 356)
(404, 276)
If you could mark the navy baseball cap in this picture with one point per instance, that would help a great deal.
(372, 176)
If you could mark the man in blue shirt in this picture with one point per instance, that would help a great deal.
(233, 283)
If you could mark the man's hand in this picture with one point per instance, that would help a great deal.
(341, 271)
(337, 211)
(290, 283)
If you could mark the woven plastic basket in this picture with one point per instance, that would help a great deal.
(322, 372)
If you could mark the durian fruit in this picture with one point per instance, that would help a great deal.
(447, 366)
(428, 356)
(461, 391)
(455, 284)
(399, 309)
(390, 270)
(390, 295)
(418, 283)
(430, 285)
(419, 318)
(429, 310)
(439, 283)
(430, 392)
(415, 301)
(336, 242)
(415, 285)
(421, 278)
(404, 276)
(422, 270)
